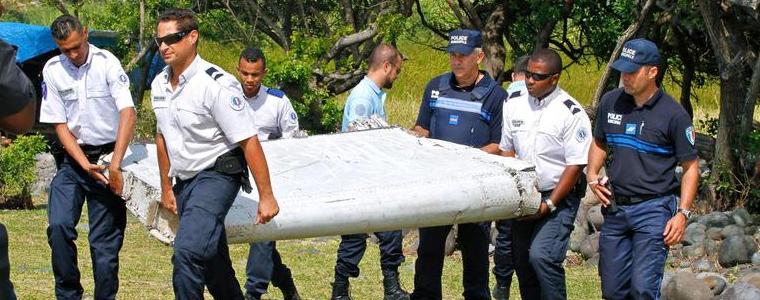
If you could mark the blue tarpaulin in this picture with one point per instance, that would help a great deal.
(31, 40)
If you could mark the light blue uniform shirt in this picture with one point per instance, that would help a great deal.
(366, 100)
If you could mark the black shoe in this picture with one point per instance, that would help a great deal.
(501, 291)
(289, 291)
(392, 287)
(340, 288)
(252, 295)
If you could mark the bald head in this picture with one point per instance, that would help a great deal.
(383, 53)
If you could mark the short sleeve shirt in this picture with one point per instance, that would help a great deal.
(87, 98)
(551, 133)
(645, 142)
(273, 113)
(202, 118)
(365, 100)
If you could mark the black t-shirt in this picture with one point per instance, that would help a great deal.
(646, 142)
(16, 90)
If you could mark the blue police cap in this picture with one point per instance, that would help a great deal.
(637, 53)
(463, 41)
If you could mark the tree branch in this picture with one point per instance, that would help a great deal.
(627, 34)
(350, 40)
(425, 23)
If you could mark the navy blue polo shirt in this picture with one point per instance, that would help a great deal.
(645, 142)
(483, 115)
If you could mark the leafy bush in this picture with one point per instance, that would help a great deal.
(17, 165)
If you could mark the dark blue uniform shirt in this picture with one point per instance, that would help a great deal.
(468, 116)
(645, 142)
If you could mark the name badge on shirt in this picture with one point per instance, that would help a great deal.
(68, 94)
(453, 120)
(630, 129)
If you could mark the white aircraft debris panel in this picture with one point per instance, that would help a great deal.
(367, 181)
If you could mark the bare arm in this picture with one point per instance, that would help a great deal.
(676, 226)
(124, 134)
(69, 143)
(21, 121)
(167, 195)
(257, 163)
(597, 153)
(492, 148)
(508, 153)
(420, 132)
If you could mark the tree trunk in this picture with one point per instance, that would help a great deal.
(602, 85)
(493, 44)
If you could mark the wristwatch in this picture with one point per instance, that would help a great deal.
(550, 204)
(686, 213)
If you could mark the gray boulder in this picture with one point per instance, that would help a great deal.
(752, 279)
(694, 234)
(703, 265)
(756, 259)
(741, 217)
(740, 291)
(44, 172)
(715, 219)
(686, 286)
(750, 229)
(714, 233)
(716, 282)
(576, 237)
(712, 247)
(593, 261)
(694, 251)
(590, 245)
(595, 216)
(735, 250)
(731, 230)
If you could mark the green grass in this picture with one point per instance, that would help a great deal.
(145, 270)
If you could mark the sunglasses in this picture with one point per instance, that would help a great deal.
(538, 76)
(171, 39)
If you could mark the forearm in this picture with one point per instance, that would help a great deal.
(689, 183)
(69, 143)
(421, 132)
(491, 148)
(596, 156)
(124, 133)
(257, 163)
(567, 182)
(163, 162)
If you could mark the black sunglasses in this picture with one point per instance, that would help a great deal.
(538, 76)
(171, 39)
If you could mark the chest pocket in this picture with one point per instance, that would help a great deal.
(191, 115)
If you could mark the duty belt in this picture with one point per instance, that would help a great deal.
(93, 153)
(233, 163)
(628, 200)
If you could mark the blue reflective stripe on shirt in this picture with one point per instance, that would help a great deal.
(628, 141)
(458, 105)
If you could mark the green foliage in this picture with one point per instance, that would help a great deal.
(709, 125)
(17, 165)
(145, 127)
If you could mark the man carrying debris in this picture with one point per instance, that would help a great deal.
(650, 133)
(206, 141)
(549, 129)
(463, 107)
(85, 95)
(274, 118)
(367, 99)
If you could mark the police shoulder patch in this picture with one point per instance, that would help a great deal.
(236, 103)
(515, 94)
(214, 73)
(691, 136)
(44, 90)
(123, 79)
(275, 92)
(581, 134)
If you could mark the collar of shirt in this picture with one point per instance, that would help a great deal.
(371, 83)
(516, 86)
(261, 94)
(187, 74)
(69, 64)
(649, 104)
(485, 81)
(548, 99)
